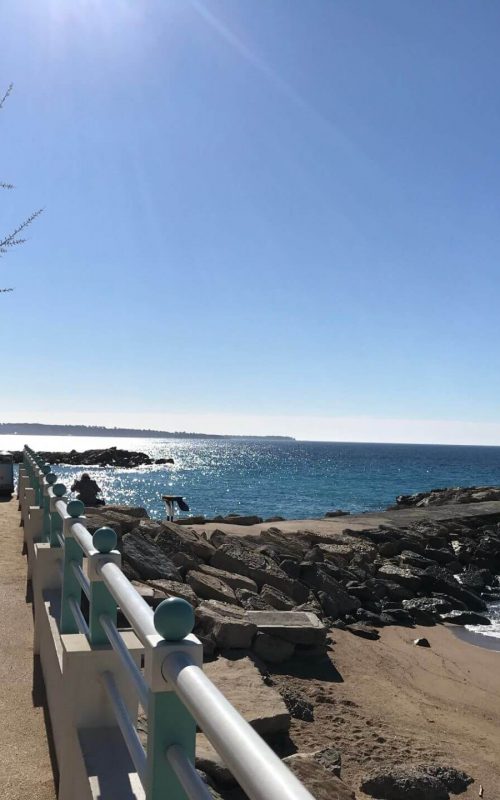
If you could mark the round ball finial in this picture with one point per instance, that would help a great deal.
(50, 478)
(59, 489)
(174, 619)
(104, 540)
(75, 508)
(45, 469)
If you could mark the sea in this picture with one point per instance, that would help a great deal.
(292, 479)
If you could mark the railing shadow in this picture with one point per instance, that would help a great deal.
(39, 698)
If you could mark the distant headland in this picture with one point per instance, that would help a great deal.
(41, 429)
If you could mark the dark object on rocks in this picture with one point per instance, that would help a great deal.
(299, 707)
(272, 649)
(465, 618)
(405, 784)
(455, 780)
(147, 559)
(87, 491)
(422, 642)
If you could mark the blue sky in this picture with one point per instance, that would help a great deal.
(259, 217)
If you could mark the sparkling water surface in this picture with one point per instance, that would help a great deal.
(296, 480)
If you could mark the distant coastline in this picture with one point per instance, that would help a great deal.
(41, 429)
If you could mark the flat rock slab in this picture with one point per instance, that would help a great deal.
(242, 684)
(298, 627)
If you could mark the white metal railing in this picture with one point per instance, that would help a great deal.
(172, 689)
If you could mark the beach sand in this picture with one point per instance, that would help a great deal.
(387, 702)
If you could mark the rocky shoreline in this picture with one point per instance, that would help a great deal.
(107, 457)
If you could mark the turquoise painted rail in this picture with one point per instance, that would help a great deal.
(172, 688)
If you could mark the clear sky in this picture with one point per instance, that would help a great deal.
(261, 216)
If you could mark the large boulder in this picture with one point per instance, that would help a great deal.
(175, 589)
(464, 618)
(422, 608)
(404, 784)
(334, 599)
(147, 559)
(233, 557)
(231, 578)
(276, 599)
(297, 627)
(226, 625)
(208, 587)
(410, 578)
(438, 579)
(173, 538)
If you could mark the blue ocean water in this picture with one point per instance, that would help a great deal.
(296, 480)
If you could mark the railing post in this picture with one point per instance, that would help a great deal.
(56, 493)
(101, 600)
(72, 552)
(169, 722)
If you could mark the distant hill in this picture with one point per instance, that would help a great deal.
(39, 429)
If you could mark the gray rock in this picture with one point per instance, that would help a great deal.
(455, 780)
(293, 626)
(421, 642)
(225, 625)
(362, 630)
(175, 589)
(404, 784)
(424, 609)
(209, 587)
(298, 706)
(232, 579)
(147, 559)
(440, 580)
(272, 649)
(409, 578)
(276, 599)
(185, 562)
(251, 601)
(262, 569)
(465, 618)
(174, 538)
(340, 602)
(330, 759)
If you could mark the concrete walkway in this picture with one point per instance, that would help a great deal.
(25, 760)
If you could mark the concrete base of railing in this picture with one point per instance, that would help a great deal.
(89, 747)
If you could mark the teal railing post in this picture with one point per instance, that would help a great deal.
(48, 481)
(169, 721)
(57, 493)
(101, 600)
(40, 473)
(72, 552)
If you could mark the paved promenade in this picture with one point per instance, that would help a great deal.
(25, 764)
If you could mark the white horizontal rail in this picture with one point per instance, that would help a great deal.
(84, 538)
(79, 618)
(186, 773)
(257, 769)
(126, 725)
(128, 662)
(61, 509)
(81, 577)
(137, 611)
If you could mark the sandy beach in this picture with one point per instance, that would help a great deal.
(387, 702)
